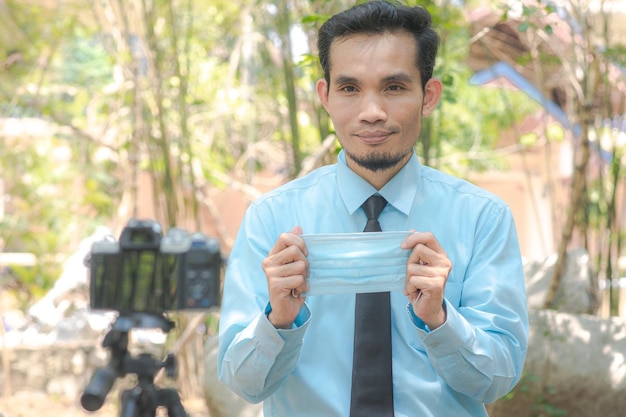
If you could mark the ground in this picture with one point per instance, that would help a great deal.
(35, 404)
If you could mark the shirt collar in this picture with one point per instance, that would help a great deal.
(400, 191)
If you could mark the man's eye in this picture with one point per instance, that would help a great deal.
(348, 89)
(395, 87)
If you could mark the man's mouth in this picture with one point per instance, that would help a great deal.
(373, 137)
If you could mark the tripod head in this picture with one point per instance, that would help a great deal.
(144, 398)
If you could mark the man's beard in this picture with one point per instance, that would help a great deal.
(379, 161)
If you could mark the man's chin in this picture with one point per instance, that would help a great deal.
(377, 162)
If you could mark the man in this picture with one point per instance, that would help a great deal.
(458, 328)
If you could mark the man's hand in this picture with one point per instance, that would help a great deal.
(286, 269)
(427, 271)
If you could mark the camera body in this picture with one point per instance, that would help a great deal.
(148, 272)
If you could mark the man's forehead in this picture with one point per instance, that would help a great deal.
(366, 39)
(383, 47)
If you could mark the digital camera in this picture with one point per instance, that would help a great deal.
(148, 272)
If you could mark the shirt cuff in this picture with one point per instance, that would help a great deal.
(446, 338)
(296, 333)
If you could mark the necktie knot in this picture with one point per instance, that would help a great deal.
(373, 206)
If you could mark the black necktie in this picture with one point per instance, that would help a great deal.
(372, 385)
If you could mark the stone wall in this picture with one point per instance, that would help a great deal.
(61, 369)
(575, 367)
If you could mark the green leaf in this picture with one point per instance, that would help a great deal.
(528, 139)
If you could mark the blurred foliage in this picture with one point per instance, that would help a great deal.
(193, 93)
(188, 91)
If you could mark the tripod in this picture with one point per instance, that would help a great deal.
(144, 398)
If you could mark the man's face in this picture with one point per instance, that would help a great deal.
(376, 101)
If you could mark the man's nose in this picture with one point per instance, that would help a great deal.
(372, 108)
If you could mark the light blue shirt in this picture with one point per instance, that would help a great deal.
(474, 358)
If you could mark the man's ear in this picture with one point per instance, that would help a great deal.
(322, 91)
(432, 94)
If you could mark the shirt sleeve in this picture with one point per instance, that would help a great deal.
(254, 356)
(260, 356)
(480, 350)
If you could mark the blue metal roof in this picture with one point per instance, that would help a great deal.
(506, 71)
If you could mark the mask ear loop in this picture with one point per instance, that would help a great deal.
(414, 303)
(419, 293)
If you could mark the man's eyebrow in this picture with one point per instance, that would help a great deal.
(399, 77)
(344, 79)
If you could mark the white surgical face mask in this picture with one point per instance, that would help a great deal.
(356, 262)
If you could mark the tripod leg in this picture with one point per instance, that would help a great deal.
(129, 406)
(139, 402)
(170, 399)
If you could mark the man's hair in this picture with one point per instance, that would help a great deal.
(379, 17)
